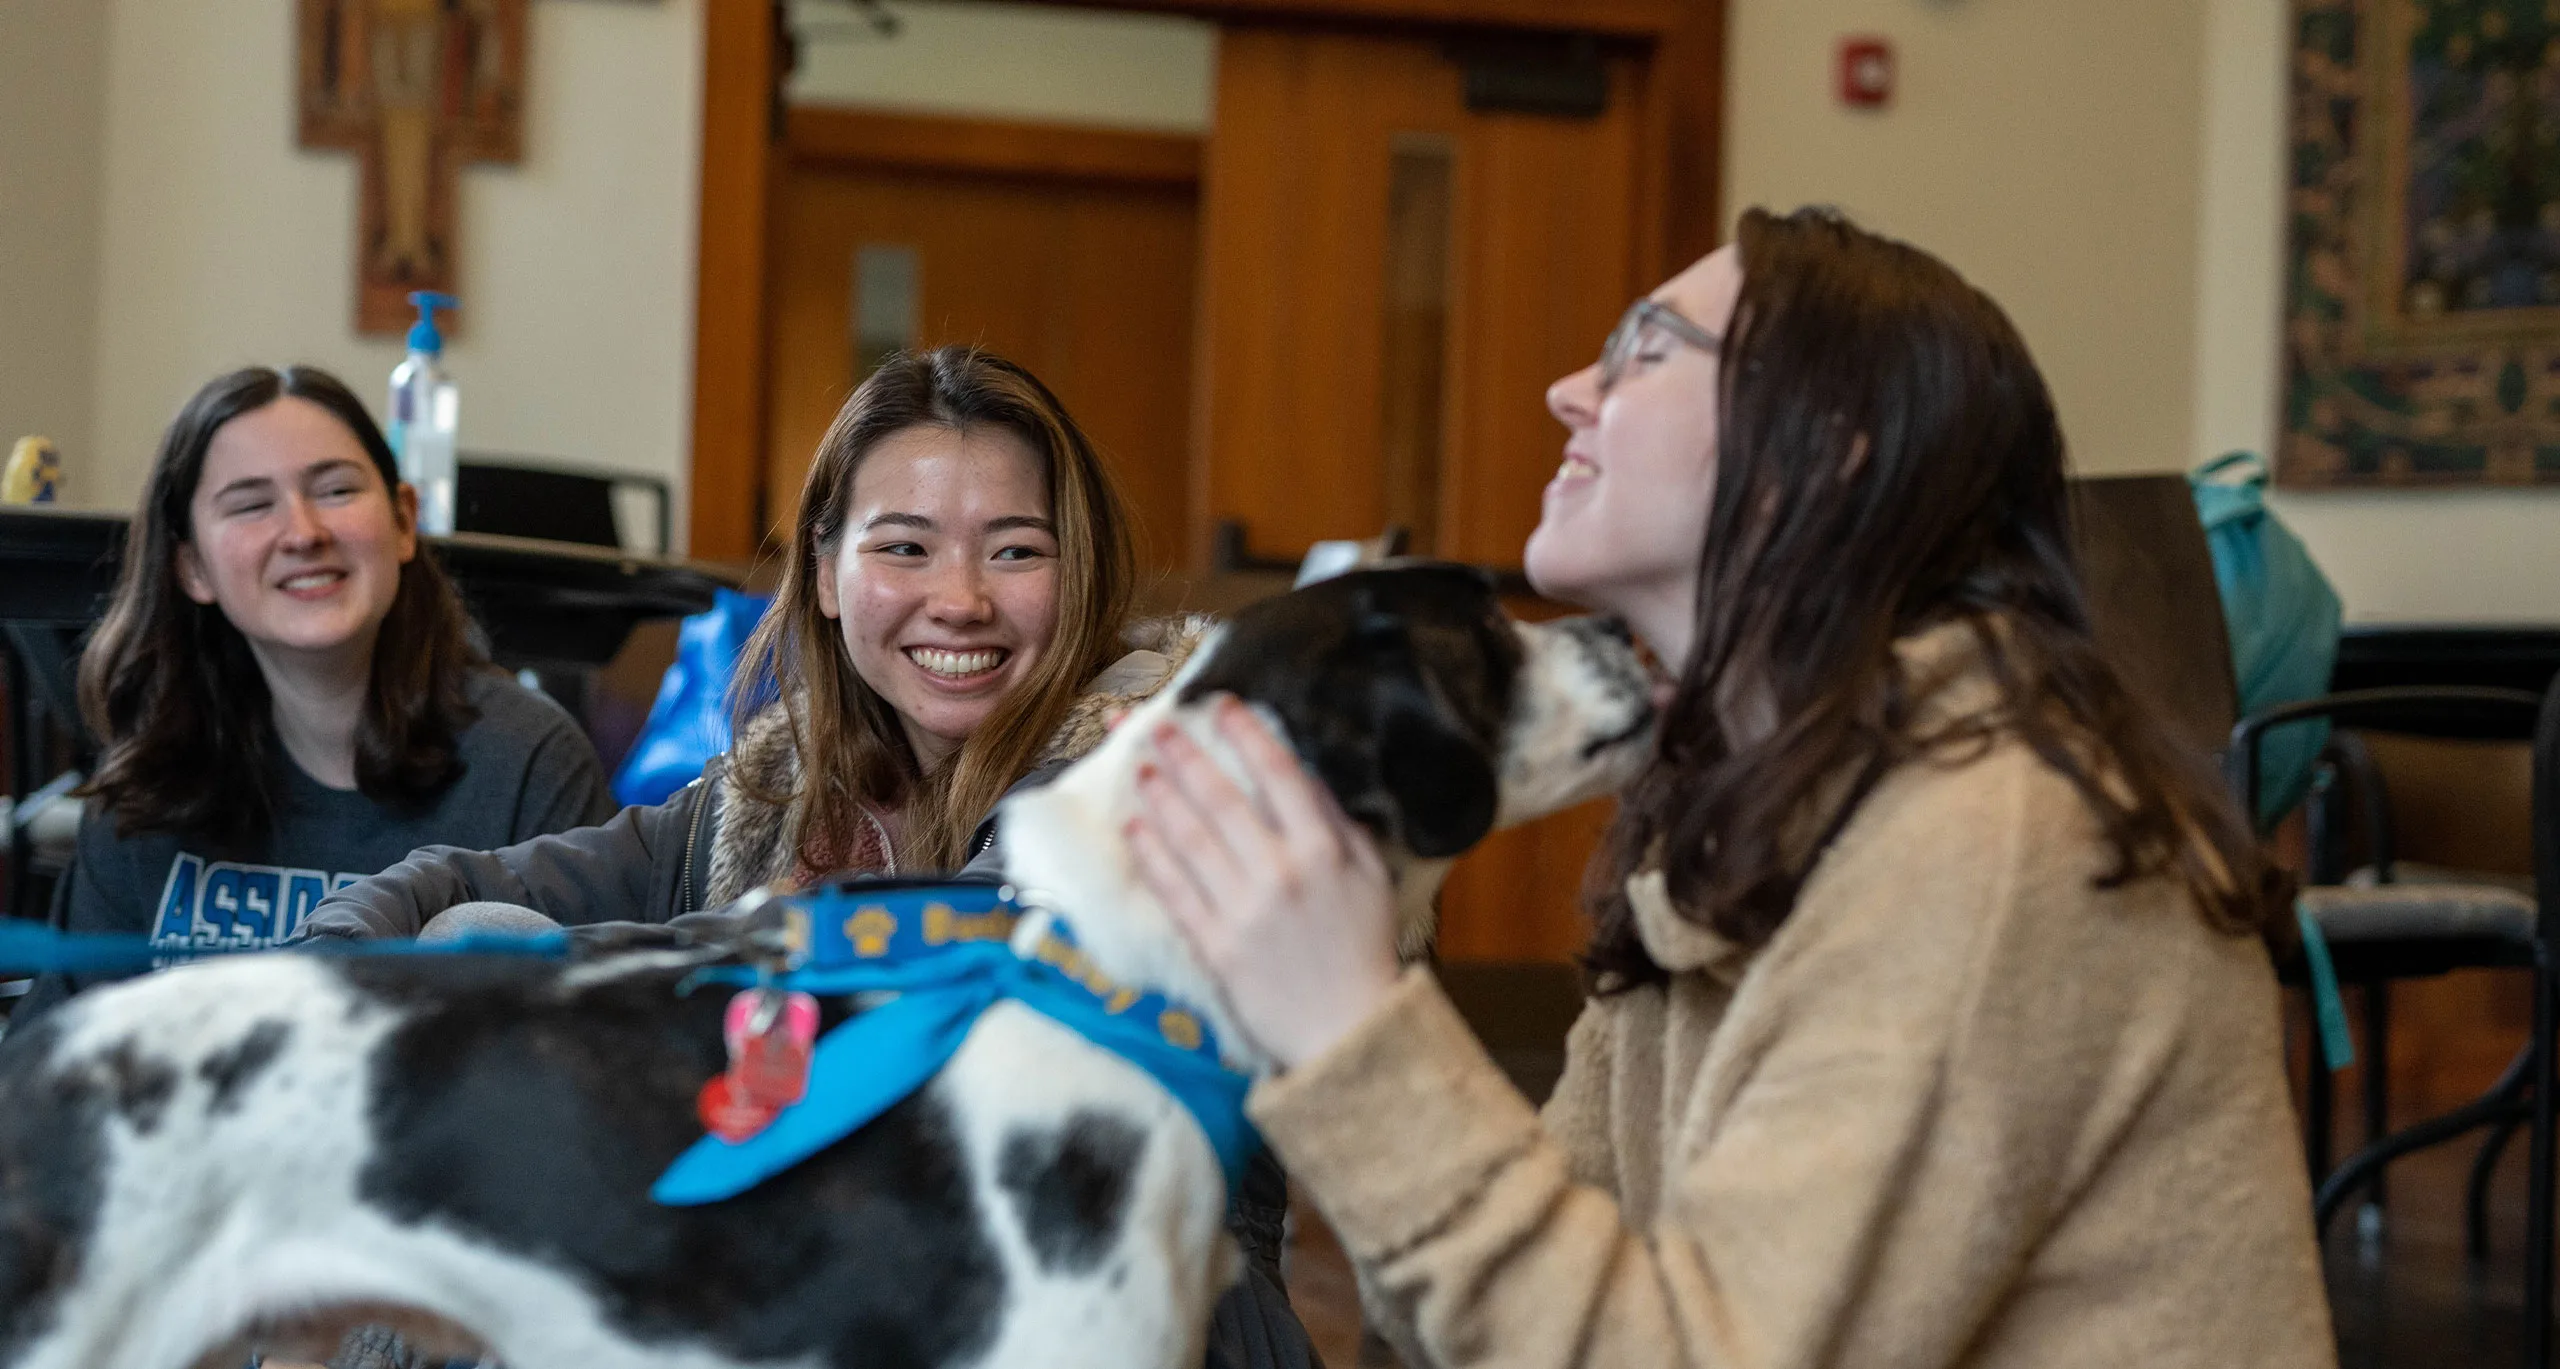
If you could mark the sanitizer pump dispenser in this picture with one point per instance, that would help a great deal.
(425, 411)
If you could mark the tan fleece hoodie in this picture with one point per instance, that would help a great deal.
(1963, 1109)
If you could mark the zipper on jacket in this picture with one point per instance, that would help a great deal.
(692, 839)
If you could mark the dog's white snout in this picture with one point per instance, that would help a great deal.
(1582, 717)
(1617, 666)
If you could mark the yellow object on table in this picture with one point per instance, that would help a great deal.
(34, 473)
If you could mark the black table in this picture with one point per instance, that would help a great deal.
(546, 606)
(2511, 656)
(542, 603)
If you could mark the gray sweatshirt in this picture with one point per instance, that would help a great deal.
(526, 770)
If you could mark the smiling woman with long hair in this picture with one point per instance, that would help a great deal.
(284, 687)
(946, 688)
(950, 619)
(955, 587)
(1931, 1023)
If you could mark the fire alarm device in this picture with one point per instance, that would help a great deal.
(1866, 72)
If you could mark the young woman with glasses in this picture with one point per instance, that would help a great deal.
(1931, 1021)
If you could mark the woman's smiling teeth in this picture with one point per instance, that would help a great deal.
(310, 580)
(956, 665)
(1575, 467)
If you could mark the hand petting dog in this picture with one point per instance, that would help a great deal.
(468, 1145)
(1286, 901)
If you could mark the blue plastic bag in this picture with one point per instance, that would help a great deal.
(689, 723)
(2282, 616)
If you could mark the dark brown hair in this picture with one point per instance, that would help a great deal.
(1888, 461)
(850, 744)
(175, 697)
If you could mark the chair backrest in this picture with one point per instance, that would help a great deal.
(2152, 599)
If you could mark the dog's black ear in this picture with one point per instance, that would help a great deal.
(1441, 780)
(1373, 623)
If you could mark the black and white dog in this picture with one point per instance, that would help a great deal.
(246, 1150)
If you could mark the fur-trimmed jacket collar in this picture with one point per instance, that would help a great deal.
(753, 842)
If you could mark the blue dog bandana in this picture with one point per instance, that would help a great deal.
(943, 952)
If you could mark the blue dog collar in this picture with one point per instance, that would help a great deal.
(941, 955)
(863, 922)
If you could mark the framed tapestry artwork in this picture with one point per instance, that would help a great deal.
(414, 88)
(2422, 315)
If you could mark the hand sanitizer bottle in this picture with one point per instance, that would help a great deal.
(425, 411)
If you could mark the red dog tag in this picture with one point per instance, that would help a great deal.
(770, 1035)
(727, 1117)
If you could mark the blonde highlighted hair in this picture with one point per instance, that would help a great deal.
(849, 742)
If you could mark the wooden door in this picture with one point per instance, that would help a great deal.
(1071, 252)
(1390, 280)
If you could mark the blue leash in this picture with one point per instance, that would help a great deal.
(33, 948)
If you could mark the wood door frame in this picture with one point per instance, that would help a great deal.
(848, 136)
(747, 136)
(734, 309)
(1613, 18)
(739, 42)
(848, 156)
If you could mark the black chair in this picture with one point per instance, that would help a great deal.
(2147, 574)
(2385, 928)
(2354, 874)
(515, 499)
(49, 750)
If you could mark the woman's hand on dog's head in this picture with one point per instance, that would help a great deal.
(1286, 902)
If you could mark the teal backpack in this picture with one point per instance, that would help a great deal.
(2282, 616)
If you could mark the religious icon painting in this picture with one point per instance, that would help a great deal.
(2422, 328)
(416, 88)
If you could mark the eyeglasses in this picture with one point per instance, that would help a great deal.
(1625, 340)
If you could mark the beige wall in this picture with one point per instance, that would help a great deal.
(224, 243)
(2045, 150)
(2113, 174)
(52, 107)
